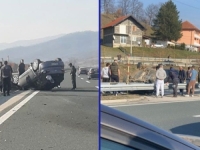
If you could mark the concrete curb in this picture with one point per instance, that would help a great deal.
(124, 100)
(147, 99)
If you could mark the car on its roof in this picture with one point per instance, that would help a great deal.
(41, 75)
(120, 131)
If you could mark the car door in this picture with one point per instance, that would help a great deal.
(122, 133)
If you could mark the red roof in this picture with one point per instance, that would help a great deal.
(186, 25)
(118, 20)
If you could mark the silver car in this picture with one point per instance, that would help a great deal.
(120, 131)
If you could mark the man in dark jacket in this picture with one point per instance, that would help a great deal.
(182, 77)
(114, 73)
(174, 76)
(21, 68)
(1, 87)
(199, 75)
(73, 74)
(6, 75)
(188, 79)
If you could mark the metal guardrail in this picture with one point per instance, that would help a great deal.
(135, 60)
(137, 86)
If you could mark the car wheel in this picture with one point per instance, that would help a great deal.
(58, 59)
(36, 64)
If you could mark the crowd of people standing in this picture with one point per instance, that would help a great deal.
(111, 73)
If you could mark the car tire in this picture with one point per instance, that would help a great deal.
(36, 64)
(58, 59)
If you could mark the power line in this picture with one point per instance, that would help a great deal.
(187, 4)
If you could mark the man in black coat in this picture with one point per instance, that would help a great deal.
(73, 74)
(21, 68)
(182, 77)
(174, 76)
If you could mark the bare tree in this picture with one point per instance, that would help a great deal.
(151, 12)
(137, 9)
(108, 6)
(118, 13)
(124, 5)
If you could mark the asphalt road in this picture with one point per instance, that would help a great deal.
(60, 119)
(176, 117)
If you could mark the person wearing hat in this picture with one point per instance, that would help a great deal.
(21, 67)
(73, 74)
(6, 75)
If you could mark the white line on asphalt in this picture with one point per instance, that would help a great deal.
(13, 100)
(153, 103)
(82, 78)
(87, 81)
(196, 116)
(96, 87)
(17, 107)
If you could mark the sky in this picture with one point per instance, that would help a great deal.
(189, 9)
(32, 19)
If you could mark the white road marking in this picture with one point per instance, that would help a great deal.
(87, 81)
(196, 116)
(16, 108)
(82, 78)
(152, 103)
(96, 87)
(13, 100)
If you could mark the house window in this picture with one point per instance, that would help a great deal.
(134, 38)
(123, 39)
(122, 29)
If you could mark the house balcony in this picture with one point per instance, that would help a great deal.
(196, 44)
(197, 36)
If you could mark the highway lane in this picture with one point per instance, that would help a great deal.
(59, 119)
(176, 117)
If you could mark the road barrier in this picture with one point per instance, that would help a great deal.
(137, 86)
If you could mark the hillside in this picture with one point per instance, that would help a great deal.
(28, 42)
(79, 45)
(150, 52)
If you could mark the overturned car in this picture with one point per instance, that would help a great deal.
(41, 75)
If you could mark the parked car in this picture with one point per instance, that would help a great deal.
(42, 75)
(120, 131)
(94, 74)
(82, 71)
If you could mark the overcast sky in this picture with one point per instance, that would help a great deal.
(32, 19)
(189, 9)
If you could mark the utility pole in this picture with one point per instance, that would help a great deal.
(131, 38)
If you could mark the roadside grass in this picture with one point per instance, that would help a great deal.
(150, 52)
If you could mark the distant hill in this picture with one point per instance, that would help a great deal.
(78, 45)
(28, 42)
